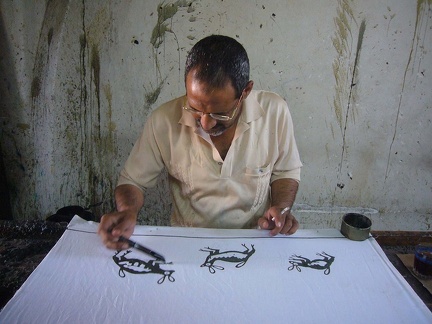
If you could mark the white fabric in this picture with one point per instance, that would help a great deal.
(79, 282)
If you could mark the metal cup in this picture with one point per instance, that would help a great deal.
(355, 226)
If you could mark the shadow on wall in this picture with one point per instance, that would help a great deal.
(8, 91)
(6, 212)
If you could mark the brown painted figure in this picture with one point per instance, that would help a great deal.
(239, 257)
(324, 263)
(137, 266)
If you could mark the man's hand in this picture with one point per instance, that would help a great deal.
(278, 223)
(129, 200)
(283, 193)
(114, 225)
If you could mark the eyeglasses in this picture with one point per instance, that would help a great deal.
(218, 116)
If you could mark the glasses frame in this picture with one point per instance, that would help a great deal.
(229, 115)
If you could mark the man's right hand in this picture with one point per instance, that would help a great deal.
(114, 225)
(129, 200)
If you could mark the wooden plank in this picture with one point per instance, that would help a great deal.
(402, 238)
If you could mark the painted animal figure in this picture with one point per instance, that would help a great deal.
(298, 261)
(239, 257)
(137, 266)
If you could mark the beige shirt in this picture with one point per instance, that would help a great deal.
(206, 190)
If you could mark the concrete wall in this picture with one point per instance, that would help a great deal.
(79, 79)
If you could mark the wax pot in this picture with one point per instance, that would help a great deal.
(355, 226)
(423, 260)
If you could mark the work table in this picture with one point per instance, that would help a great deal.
(23, 245)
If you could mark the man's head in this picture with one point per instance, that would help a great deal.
(218, 59)
(217, 82)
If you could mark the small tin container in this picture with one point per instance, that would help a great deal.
(355, 226)
(423, 261)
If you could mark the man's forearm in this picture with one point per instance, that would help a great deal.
(283, 192)
(128, 197)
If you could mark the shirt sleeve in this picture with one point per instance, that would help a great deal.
(288, 164)
(144, 163)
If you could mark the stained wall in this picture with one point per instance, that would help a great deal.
(79, 79)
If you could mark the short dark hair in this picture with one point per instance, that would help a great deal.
(219, 59)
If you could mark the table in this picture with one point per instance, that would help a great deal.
(215, 276)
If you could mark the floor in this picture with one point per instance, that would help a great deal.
(24, 245)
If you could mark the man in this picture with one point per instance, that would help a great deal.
(230, 151)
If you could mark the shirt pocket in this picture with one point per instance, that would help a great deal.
(180, 167)
(259, 179)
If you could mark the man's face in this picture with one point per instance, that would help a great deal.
(205, 104)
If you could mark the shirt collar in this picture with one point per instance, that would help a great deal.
(252, 110)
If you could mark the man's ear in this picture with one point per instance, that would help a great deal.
(248, 89)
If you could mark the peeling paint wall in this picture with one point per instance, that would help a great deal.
(79, 79)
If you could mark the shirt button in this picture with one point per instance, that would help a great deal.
(220, 163)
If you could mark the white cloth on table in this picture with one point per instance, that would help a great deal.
(215, 276)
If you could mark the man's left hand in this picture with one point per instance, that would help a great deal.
(278, 223)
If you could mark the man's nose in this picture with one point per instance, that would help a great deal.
(207, 122)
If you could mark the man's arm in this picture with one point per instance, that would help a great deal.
(283, 193)
(129, 198)
(129, 201)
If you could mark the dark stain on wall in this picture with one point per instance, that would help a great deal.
(342, 44)
(50, 36)
(165, 11)
(424, 8)
(95, 139)
(345, 71)
(352, 84)
(83, 46)
(95, 67)
(35, 87)
(151, 97)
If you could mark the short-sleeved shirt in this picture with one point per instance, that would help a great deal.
(209, 191)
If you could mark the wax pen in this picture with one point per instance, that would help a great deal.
(282, 212)
(141, 248)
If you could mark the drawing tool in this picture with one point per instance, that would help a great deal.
(142, 248)
(283, 212)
